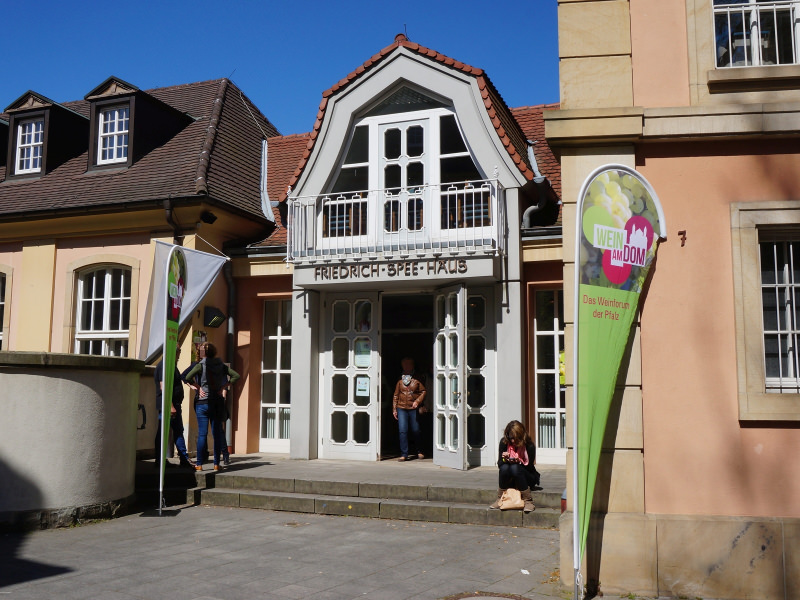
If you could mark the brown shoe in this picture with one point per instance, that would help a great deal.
(526, 496)
(402, 459)
(198, 468)
(420, 456)
(496, 503)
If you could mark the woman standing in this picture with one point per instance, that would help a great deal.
(210, 402)
(409, 395)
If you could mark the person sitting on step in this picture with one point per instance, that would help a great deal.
(517, 456)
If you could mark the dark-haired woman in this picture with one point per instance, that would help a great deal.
(517, 456)
(215, 376)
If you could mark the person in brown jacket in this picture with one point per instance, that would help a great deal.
(409, 396)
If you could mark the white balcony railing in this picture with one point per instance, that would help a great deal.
(756, 33)
(427, 221)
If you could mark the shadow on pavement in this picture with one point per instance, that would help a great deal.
(20, 504)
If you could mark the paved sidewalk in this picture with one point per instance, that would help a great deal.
(206, 553)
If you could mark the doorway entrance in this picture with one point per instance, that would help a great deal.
(449, 333)
(407, 332)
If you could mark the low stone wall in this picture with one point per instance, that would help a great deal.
(689, 556)
(67, 437)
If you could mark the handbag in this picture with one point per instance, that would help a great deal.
(511, 500)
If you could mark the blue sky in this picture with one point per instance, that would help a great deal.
(282, 54)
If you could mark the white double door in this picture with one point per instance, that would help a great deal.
(350, 388)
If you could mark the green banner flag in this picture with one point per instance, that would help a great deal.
(619, 224)
(175, 276)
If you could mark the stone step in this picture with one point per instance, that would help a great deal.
(432, 492)
(377, 507)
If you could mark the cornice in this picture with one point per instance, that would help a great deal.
(636, 124)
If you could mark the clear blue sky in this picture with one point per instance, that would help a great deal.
(283, 54)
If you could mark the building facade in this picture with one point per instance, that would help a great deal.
(420, 217)
(403, 228)
(697, 487)
(87, 187)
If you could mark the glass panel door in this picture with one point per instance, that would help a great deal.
(404, 176)
(350, 376)
(548, 368)
(276, 376)
(450, 406)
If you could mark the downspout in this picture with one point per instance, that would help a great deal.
(541, 187)
(229, 348)
(177, 236)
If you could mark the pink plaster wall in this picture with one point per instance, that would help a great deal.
(660, 53)
(251, 294)
(698, 458)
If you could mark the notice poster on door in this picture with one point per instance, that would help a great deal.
(362, 386)
(362, 350)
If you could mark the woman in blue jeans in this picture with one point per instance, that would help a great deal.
(215, 377)
(409, 396)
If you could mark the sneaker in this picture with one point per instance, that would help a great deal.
(226, 460)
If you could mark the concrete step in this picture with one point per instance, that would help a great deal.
(431, 492)
(377, 507)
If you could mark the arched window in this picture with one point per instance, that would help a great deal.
(102, 320)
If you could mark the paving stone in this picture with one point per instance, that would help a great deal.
(392, 490)
(329, 488)
(414, 511)
(354, 507)
(218, 497)
(277, 501)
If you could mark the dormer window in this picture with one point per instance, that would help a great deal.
(30, 142)
(114, 124)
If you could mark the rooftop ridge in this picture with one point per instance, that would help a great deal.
(201, 179)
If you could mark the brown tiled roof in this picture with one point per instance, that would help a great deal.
(283, 155)
(505, 125)
(531, 121)
(218, 154)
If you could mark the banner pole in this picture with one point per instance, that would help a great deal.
(576, 538)
(162, 455)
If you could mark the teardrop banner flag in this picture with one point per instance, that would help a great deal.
(619, 225)
(175, 276)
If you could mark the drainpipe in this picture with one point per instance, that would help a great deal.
(541, 187)
(229, 347)
(177, 236)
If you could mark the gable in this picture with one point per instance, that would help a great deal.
(406, 72)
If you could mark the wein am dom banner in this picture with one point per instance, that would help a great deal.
(175, 277)
(619, 224)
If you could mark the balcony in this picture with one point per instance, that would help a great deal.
(756, 33)
(423, 222)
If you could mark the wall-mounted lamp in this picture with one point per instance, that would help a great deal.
(208, 217)
(213, 317)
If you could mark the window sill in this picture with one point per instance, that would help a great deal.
(754, 79)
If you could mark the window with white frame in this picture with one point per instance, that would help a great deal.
(30, 143)
(780, 305)
(2, 309)
(276, 375)
(103, 311)
(766, 251)
(548, 369)
(402, 148)
(756, 32)
(113, 126)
